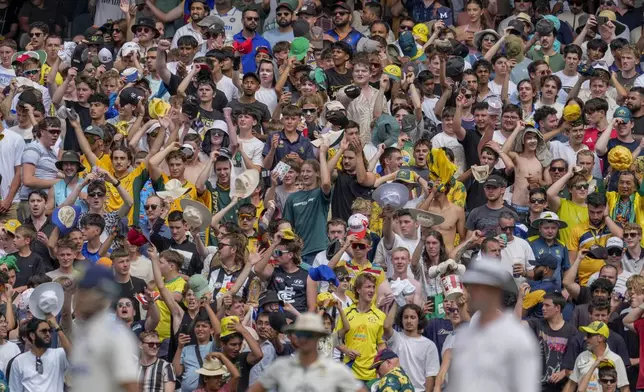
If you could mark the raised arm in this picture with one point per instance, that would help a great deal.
(570, 276)
(170, 16)
(458, 130)
(364, 177)
(325, 175)
(389, 322)
(601, 146)
(158, 158)
(554, 201)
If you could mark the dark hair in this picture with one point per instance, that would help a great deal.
(99, 98)
(389, 151)
(512, 108)
(483, 63)
(537, 191)
(597, 44)
(419, 313)
(639, 90)
(93, 220)
(336, 222)
(574, 49)
(38, 192)
(480, 106)
(565, 162)
(486, 241)
(343, 46)
(442, 253)
(40, 26)
(557, 299)
(543, 112)
(601, 284)
(118, 253)
(32, 326)
(97, 186)
(291, 111)
(554, 78)
(187, 40)
(175, 216)
(532, 68)
(387, 28)
(376, 8)
(596, 104)
(38, 279)
(497, 57)
(596, 199)
(598, 304)
(47, 122)
(248, 208)
(247, 10)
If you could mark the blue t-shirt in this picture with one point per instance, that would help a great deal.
(93, 257)
(437, 330)
(190, 364)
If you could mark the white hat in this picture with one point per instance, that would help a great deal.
(330, 137)
(246, 183)
(358, 225)
(212, 367)
(614, 242)
(46, 298)
(173, 189)
(549, 216)
(195, 214)
(489, 273)
(219, 124)
(307, 322)
(104, 56)
(393, 194)
(129, 48)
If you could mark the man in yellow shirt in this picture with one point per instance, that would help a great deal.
(592, 233)
(366, 327)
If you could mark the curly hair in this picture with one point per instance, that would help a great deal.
(419, 313)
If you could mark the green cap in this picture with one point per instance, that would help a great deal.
(623, 113)
(299, 48)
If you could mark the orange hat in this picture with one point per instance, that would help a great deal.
(105, 262)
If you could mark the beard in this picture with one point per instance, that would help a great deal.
(41, 343)
(196, 18)
(342, 24)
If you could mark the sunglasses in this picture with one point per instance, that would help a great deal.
(490, 39)
(508, 228)
(209, 35)
(538, 201)
(116, 30)
(581, 186)
(153, 344)
(614, 252)
(309, 111)
(124, 305)
(251, 18)
(35, 34)
(96, 194)
(283, 14)
(630, 235)
(150, 207)
(31, 72)
(406, 28)
(607, 380)
(39, 367)
(451, 310)
(341, 13)
(223, 245)
(144, 30)
(279, 253)
(54, 131)
(359, 246)
(345, 279)
(45, 331)
(246, 217)
(557, 169)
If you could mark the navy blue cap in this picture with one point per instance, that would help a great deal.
(98, 277)
(382, 356)
(546, 260)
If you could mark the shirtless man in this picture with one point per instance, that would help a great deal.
(194, 166)
(529, 170)
(454, 215)
(400, 259)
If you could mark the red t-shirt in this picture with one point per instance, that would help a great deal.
(639, 328)
(592, 134)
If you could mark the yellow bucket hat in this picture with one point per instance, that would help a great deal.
(158, 108)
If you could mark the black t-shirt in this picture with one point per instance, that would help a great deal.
(48, 14)
(258, 107)
(8, 17)
(470, 144)
(290, 288)
(208, 117)
(476, 194)
(336, 81)
(553, 346)
(346, 191)
(638, 129)
(241, 363)
(28, 266)
(219, 100)
(129, 290)
(70, 143)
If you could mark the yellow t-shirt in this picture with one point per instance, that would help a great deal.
(45, 69)
(573, 214)
(133, 182)
(191, 194)
(584, 236)
(176, 285)
(364, 336)
(638, 205)
(355, 270)
(104, 162)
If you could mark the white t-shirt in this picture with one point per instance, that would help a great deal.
(444, 140)
(108, 9)
(428, 109)
(11, 150)
(24, 377)
(500, 138)
(232, 22)
(142, 268)
(6, 76)
(418, 356)
(517, 250)
(268, 97)
(567, 82)
(496, 88)
(320, 259)
(7, 351)
(25, 133)
(500, 356)
(226, 86)
(187, 30)
(383, 255)
(173, 65)
(253, 149)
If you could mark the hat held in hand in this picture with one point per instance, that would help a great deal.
(195, 214)
(46, 299)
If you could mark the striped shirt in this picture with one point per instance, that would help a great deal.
(152, 378)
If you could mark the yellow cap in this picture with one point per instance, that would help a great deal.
(158, 108)
(323, 297)
(288, 234)
(227, 327)
(11, 225)
(596, 328)
(421, 31)
(393, 71)
(609, 14)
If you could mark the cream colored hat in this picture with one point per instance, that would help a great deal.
(173, 189)
(195, 214)
(246, 183)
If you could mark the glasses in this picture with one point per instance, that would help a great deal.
(345, 279)
(96, 194)
(406, 28)
(283, 14)
(153, 344)
(39, 367)
(252, 18)
(309, 111)
(607, 380)
(144, 30)
(279, 253)
(150, 207)
(246, 217)
(341, 13)
(124, 305)
(538, 201)
(35, 34)
(451, 310)
(359, 246)
(508, 228)
(581, 186)
(490, 39)
(45, 331)
(614, 252)
(555, 169)
(209, 35)
(116, 30)
(31, 72)
(54, 132)
(631, 235)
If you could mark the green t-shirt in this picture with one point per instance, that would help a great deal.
(556, 62)
(308, 211)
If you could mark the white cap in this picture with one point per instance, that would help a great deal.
(129, 48)
(219, 124)
(614, 242)
(104, 56)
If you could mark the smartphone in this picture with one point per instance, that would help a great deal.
(184, 329)
(432, 307)
(71, 113)
(602, 20)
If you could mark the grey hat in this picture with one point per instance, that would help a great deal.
(545, 27)
(408, 123)
(211, 20)
(367, 45)
(489, 273)
(95, 130)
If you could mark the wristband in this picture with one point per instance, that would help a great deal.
(117, 183)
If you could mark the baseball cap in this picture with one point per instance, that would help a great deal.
(12, 225)
(614, 242)
(546, 260)
(308, 10)
(226, 327)
(343, 5)
(596, 328)
(98, 277)
(299, 48)
(285, 5)
(129, 48)
(95, 130)
(211, 20)
(496, 180)
(131, 95)
(382, 356)
(105, 56)
(623, 113)
(393, 71)
(358, 224)
(406, 175)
